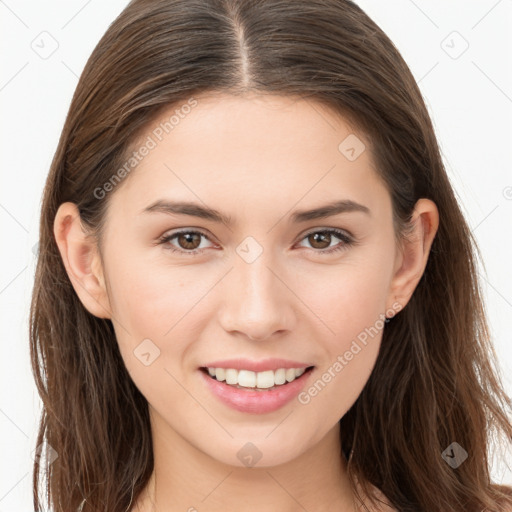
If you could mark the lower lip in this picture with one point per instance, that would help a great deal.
(256, 402)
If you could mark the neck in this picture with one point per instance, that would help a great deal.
(187, 479)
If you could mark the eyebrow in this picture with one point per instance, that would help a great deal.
(207, 213)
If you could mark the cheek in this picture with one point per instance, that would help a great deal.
(148, 295)
(156, 303)
(144, 303)
(351, 306)
(347, 298)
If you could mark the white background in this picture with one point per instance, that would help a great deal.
(469, 98)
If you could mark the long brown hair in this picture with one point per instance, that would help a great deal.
(436, 380)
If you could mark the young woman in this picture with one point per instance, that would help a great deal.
(255, 287)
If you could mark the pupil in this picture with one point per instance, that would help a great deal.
(188, 241)
(317, 236)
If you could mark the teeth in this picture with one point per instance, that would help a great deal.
(259, 380)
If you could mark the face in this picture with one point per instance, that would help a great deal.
(269, 283)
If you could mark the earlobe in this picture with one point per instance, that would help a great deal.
(79, 253)
(414, 253)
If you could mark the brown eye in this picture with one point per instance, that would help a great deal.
(319, 240)
(189, 240)
(185, 242)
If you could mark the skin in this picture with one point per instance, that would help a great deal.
(258, 159)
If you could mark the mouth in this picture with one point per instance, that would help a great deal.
(256, 392)
(257, 381)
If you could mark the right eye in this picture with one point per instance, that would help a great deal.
(187, 238)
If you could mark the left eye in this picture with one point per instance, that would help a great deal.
(188, 241)
(321, 236)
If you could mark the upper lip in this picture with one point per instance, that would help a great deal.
(256, 366)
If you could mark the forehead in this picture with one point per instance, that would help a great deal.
(254, 119)
(259, 151)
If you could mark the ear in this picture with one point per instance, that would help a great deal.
(412, 257)
(81, 259)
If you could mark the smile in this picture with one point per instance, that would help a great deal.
(254, 399)
(255, 380)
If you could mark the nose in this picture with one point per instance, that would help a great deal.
(257, 300)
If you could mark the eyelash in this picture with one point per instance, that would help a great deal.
(347, 240)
